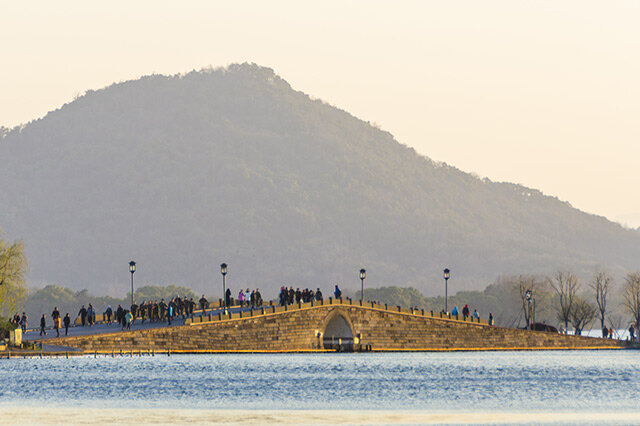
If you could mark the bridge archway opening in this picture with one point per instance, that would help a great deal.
(338, 334)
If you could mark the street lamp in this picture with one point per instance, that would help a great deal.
(223, 271)
(528, 295)
(132, 269)
(363, 274)
(447, 274)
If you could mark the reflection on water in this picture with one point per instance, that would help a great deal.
(480, 382)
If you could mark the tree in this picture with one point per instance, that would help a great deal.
(632, 295)
(566, 285)
(153, 292)
(600, 285)
(581, 314)
(394, 296)
(13, 266)
(524, 284)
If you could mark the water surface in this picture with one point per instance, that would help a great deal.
(578, 382)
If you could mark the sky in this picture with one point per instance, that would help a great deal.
(541, 93)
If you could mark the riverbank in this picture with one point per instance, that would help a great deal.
(55, 416)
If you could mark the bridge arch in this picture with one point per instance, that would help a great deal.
(337, 331)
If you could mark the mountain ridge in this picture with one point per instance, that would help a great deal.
(235, 163)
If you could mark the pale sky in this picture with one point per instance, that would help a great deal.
(542, 93)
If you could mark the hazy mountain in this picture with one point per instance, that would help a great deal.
(181, 173)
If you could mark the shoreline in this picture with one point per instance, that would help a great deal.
(56, 415)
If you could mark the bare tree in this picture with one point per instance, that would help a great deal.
(600, 285)
(566, 285)
(632, 295)
(582, 314)
(524, 284)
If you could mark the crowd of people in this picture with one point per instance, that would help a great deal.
(466, 313)
(289, 296)
(251, 298)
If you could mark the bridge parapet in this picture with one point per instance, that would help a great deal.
(277, 309)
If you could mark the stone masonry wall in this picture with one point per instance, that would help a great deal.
(300, 330)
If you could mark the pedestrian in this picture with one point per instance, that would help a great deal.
(90, 315)
(241, 297)
(119, 314)
(465, 311)
(83, 315)
(337, 293)
(66, 322)
(454, 312)
(227, 298)
(134, 311)
(128, 317)
(108, 313)
(476, 315)
(143, 310)
(318, 295)
(631, 333)
(192, 306)
(490, 318)
(611, 333)
(23, 322)
(203, 304)
(55, 315)
(57, 324)
(43, 325)
(162, 309)
(170, 311)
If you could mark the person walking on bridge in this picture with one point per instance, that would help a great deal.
(43, 325)
(169, 312)
(23, 322)
(134, 311)
(66, 321)
(83, 315)
(119, 314)
(108, 313)
(128, 317)
(465, 311)
(91, 315)
(337, 293)
(227, 298)
(204, 303)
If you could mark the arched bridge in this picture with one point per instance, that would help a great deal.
(329, 325)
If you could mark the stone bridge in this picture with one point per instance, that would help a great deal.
(330, 325)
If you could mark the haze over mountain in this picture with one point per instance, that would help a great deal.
(181, 173)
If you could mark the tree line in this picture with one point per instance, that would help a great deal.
(519, 300)
(558, 299)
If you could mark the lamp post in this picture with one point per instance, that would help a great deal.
(446, 289)
(223, 271)
(528, 297)
(132, 269)
(363, 274)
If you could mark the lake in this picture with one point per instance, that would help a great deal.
(548, 386)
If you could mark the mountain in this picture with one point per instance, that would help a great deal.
(181, 173)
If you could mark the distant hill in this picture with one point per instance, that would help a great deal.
(183, 172)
